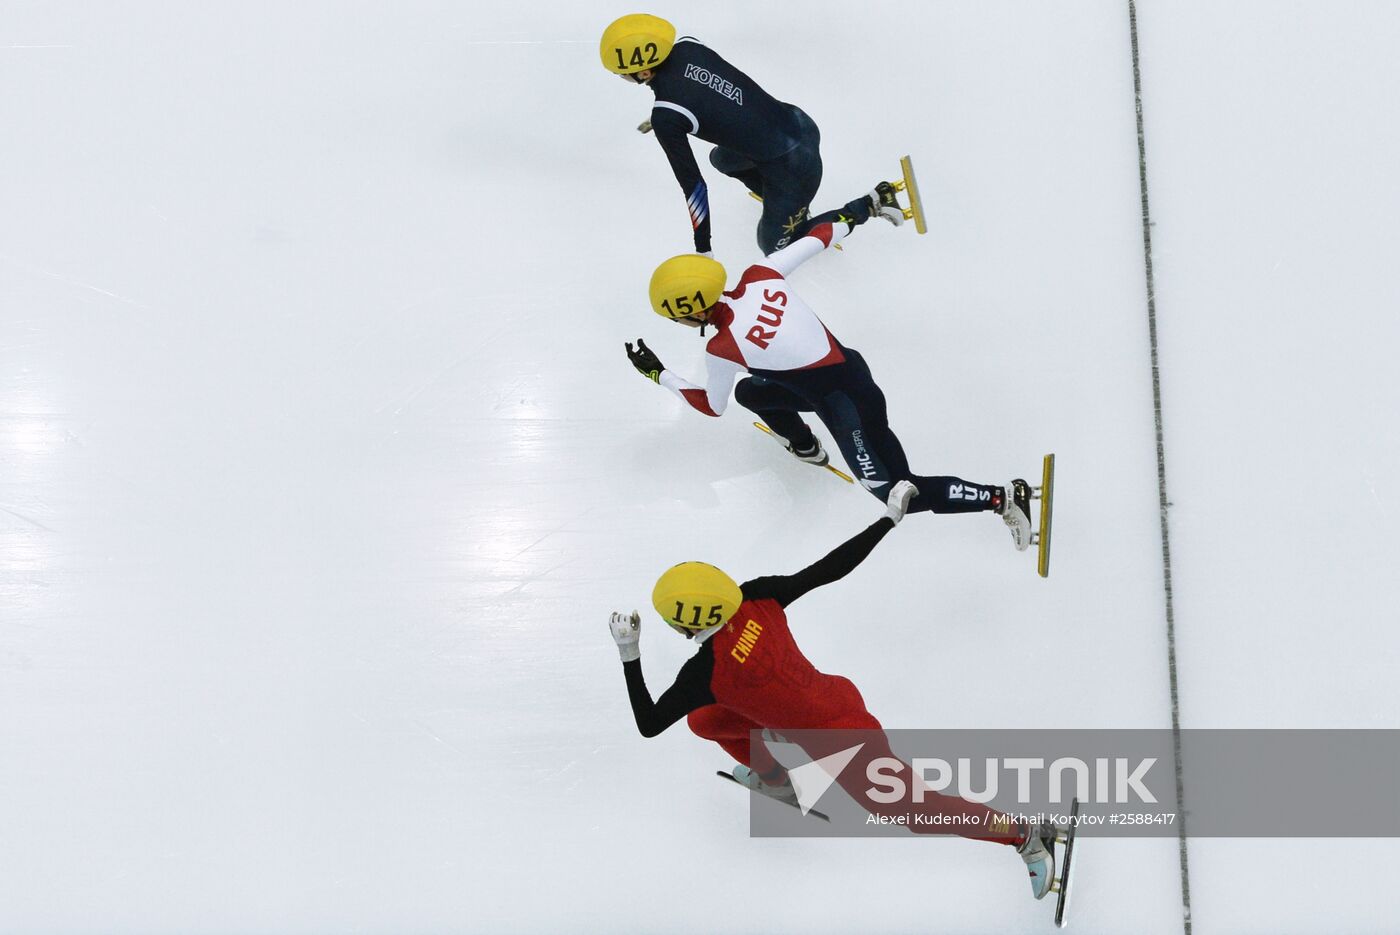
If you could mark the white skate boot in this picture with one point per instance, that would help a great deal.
(1038, 851)
(784, 792)
(1015, 510)
(814, 455)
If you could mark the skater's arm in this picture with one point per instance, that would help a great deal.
(713, 399)
(672, 128)
(807, 246)
(691, 690)
(841, 561)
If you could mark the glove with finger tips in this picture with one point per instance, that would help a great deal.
(627, 634)
(647, 363)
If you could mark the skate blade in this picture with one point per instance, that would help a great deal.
(840, 473)
(1061, 882)
(911, 186)
(1046, 494)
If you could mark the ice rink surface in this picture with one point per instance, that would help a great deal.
(321, 464)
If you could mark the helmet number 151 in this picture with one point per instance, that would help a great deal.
(683, 306)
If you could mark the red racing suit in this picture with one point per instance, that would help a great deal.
(749, 674)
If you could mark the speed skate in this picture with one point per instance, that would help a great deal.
(1045, 493)
(1060, 886)
(830, 467)
(757, 789)
(1015, 509)
(910, 186)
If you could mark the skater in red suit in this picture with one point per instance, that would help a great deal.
(749, 674)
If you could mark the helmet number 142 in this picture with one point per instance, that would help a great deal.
(637, 60)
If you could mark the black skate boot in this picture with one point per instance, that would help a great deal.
(883, 204)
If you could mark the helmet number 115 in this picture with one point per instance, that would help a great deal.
(714, 617)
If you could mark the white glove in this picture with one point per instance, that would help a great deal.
(899, 499)
(627, 634)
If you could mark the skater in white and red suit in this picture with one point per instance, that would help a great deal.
(791, 363)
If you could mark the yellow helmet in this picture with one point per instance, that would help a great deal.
(686, 284)
(696, 596)
(635, 42)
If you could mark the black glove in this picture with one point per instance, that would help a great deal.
(647, 363)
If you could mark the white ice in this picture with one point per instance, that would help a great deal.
(321, 464)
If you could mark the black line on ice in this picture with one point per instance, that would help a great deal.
(1162, 502)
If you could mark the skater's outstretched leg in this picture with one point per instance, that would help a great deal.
(858, 419)
(856, 725)
(938, 493)
(880, 202)
(852, 212)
